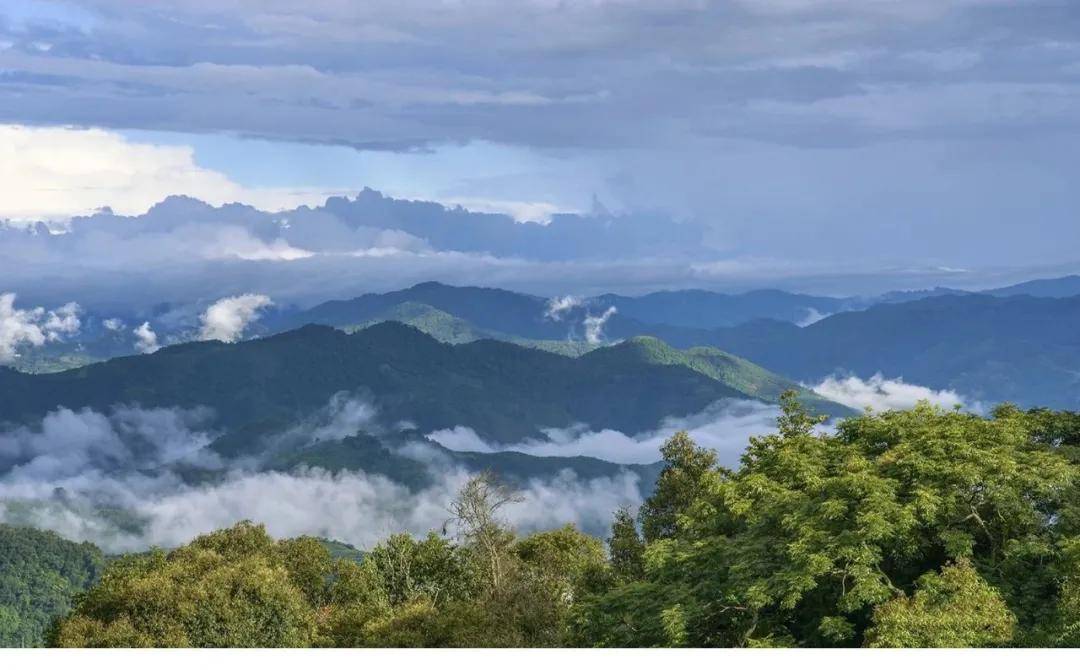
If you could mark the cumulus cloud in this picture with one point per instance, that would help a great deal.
(880, 393)
(60, 172)
(20, 328)
(146, 340)
(115, 325)
(594, 325)
(227, 318)
(725, 427)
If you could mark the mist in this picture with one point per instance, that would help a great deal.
(133, 478)
(725, 427)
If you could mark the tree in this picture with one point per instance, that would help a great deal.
(681, 483)
(952, 608)
(626, 548)
(820, 538)
(40, 573)
(475, 512)
(231, 588)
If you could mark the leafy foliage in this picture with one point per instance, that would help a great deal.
(40, 572)
(905, 528)
(921, 527)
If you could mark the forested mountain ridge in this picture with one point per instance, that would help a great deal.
(504, 392)
(1018, 349)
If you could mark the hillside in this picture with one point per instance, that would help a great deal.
(505, 392)
(1020, 349)
(40, 573)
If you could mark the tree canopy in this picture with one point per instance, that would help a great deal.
(910, 528)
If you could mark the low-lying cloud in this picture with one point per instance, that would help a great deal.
(123, 479)
(879, 393)
(725, 427)
(25, 328)
(594, 325)
(146, 340)
(560, 306)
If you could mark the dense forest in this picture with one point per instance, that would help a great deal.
(40, 572)
(903, 528)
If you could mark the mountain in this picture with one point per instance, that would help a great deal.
(706, 309)
(40, 573)
(1017, 349)
(505, 392)
(1057, 287)
(507, 313)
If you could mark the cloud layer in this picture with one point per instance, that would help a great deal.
(880, 393)
(120, 479)
(836, 130)
(725, 427)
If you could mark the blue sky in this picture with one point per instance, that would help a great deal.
(835, 135)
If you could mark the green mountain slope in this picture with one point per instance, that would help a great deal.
(40, 572)
(505, 392)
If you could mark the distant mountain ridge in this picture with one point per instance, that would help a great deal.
(505, 392)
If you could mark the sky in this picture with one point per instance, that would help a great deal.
(840, 146)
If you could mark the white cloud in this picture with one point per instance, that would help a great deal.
(21, 328)
(725, 427)
(57, 172)
(146, 340)
(114, 324)
(227, 318)
(594, 326)
(559, 306)
(880, 393)
(60, 474)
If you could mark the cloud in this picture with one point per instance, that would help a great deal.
(594, 325)
(21, 328)
(227, 318)
(78, 450)
(725, 427)
(146, 340)
(557, 307)
(115, 325)
(930, 129)
(117, 479)
(880, 393)
(59, 172)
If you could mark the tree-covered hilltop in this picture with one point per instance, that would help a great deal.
(40, 572)
(910, 528)
(504, 392)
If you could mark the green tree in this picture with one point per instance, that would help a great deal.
(626, 548)
(952, 608)
(681, 483)
(40, 574)
(232, 588)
